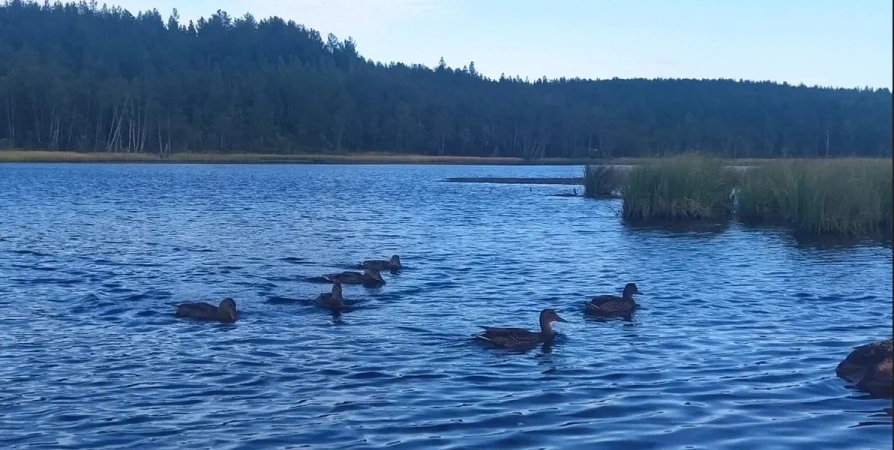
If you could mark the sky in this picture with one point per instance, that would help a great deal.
(817, 42)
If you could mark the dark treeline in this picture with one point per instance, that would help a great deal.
(84, 77)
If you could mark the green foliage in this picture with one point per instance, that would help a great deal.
(848, 196)
(79, 77)
(602, 180)
(686, 187)
(838, 196)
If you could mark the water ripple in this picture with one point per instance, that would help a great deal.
(735, 345)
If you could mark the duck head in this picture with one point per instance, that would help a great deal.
(375, 275)
(550, 315)
(395, 261)
(336, 291)
(227, 309)
(547, 316)
(630, 289)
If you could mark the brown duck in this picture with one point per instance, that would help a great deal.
(612, 305)
(369, 277)
(332, 301)
(226, 312)
(517, 338)
(869, 367)
(392, 264)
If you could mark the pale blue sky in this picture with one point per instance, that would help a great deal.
(825, 42)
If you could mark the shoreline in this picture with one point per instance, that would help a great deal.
(44, 156)
(41, 156)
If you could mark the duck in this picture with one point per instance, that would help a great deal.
(517, 338)
(225, 312)
(392, 264)
(369, 277)
(612, 305)
(332, 301)
(869, 367)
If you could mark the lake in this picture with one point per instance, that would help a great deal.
(734, 347)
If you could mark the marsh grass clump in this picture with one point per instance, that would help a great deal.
(601, 180)
(846, 196)
(62, 156)
(686, 187)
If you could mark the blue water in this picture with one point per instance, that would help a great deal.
(735, 345)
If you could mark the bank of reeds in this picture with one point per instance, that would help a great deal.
(686, 187)
(602, 180)
(837, 196)
(843, 196)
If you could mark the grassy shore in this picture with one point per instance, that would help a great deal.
(850, 196)
(602, 181)
(687, 187)
(847, 196)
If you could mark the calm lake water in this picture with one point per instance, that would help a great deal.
(735, 345)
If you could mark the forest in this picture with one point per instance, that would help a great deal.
(84, 77)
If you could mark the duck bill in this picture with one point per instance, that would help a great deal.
(559, 319)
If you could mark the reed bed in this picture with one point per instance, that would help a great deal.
(851, 196)
(686, 187)
(843, 196)
(602, 180)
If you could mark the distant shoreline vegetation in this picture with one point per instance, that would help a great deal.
(849, 196)
(83, 77)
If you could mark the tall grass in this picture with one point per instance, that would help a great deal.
(841, 196)
(845, 196)
(686, 187)
(602, 180)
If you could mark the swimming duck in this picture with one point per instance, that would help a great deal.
(226, 312)
(611, 305)
(369, 277)
(519, 337)
(392, 264)
(332, 301)
(869, 367)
